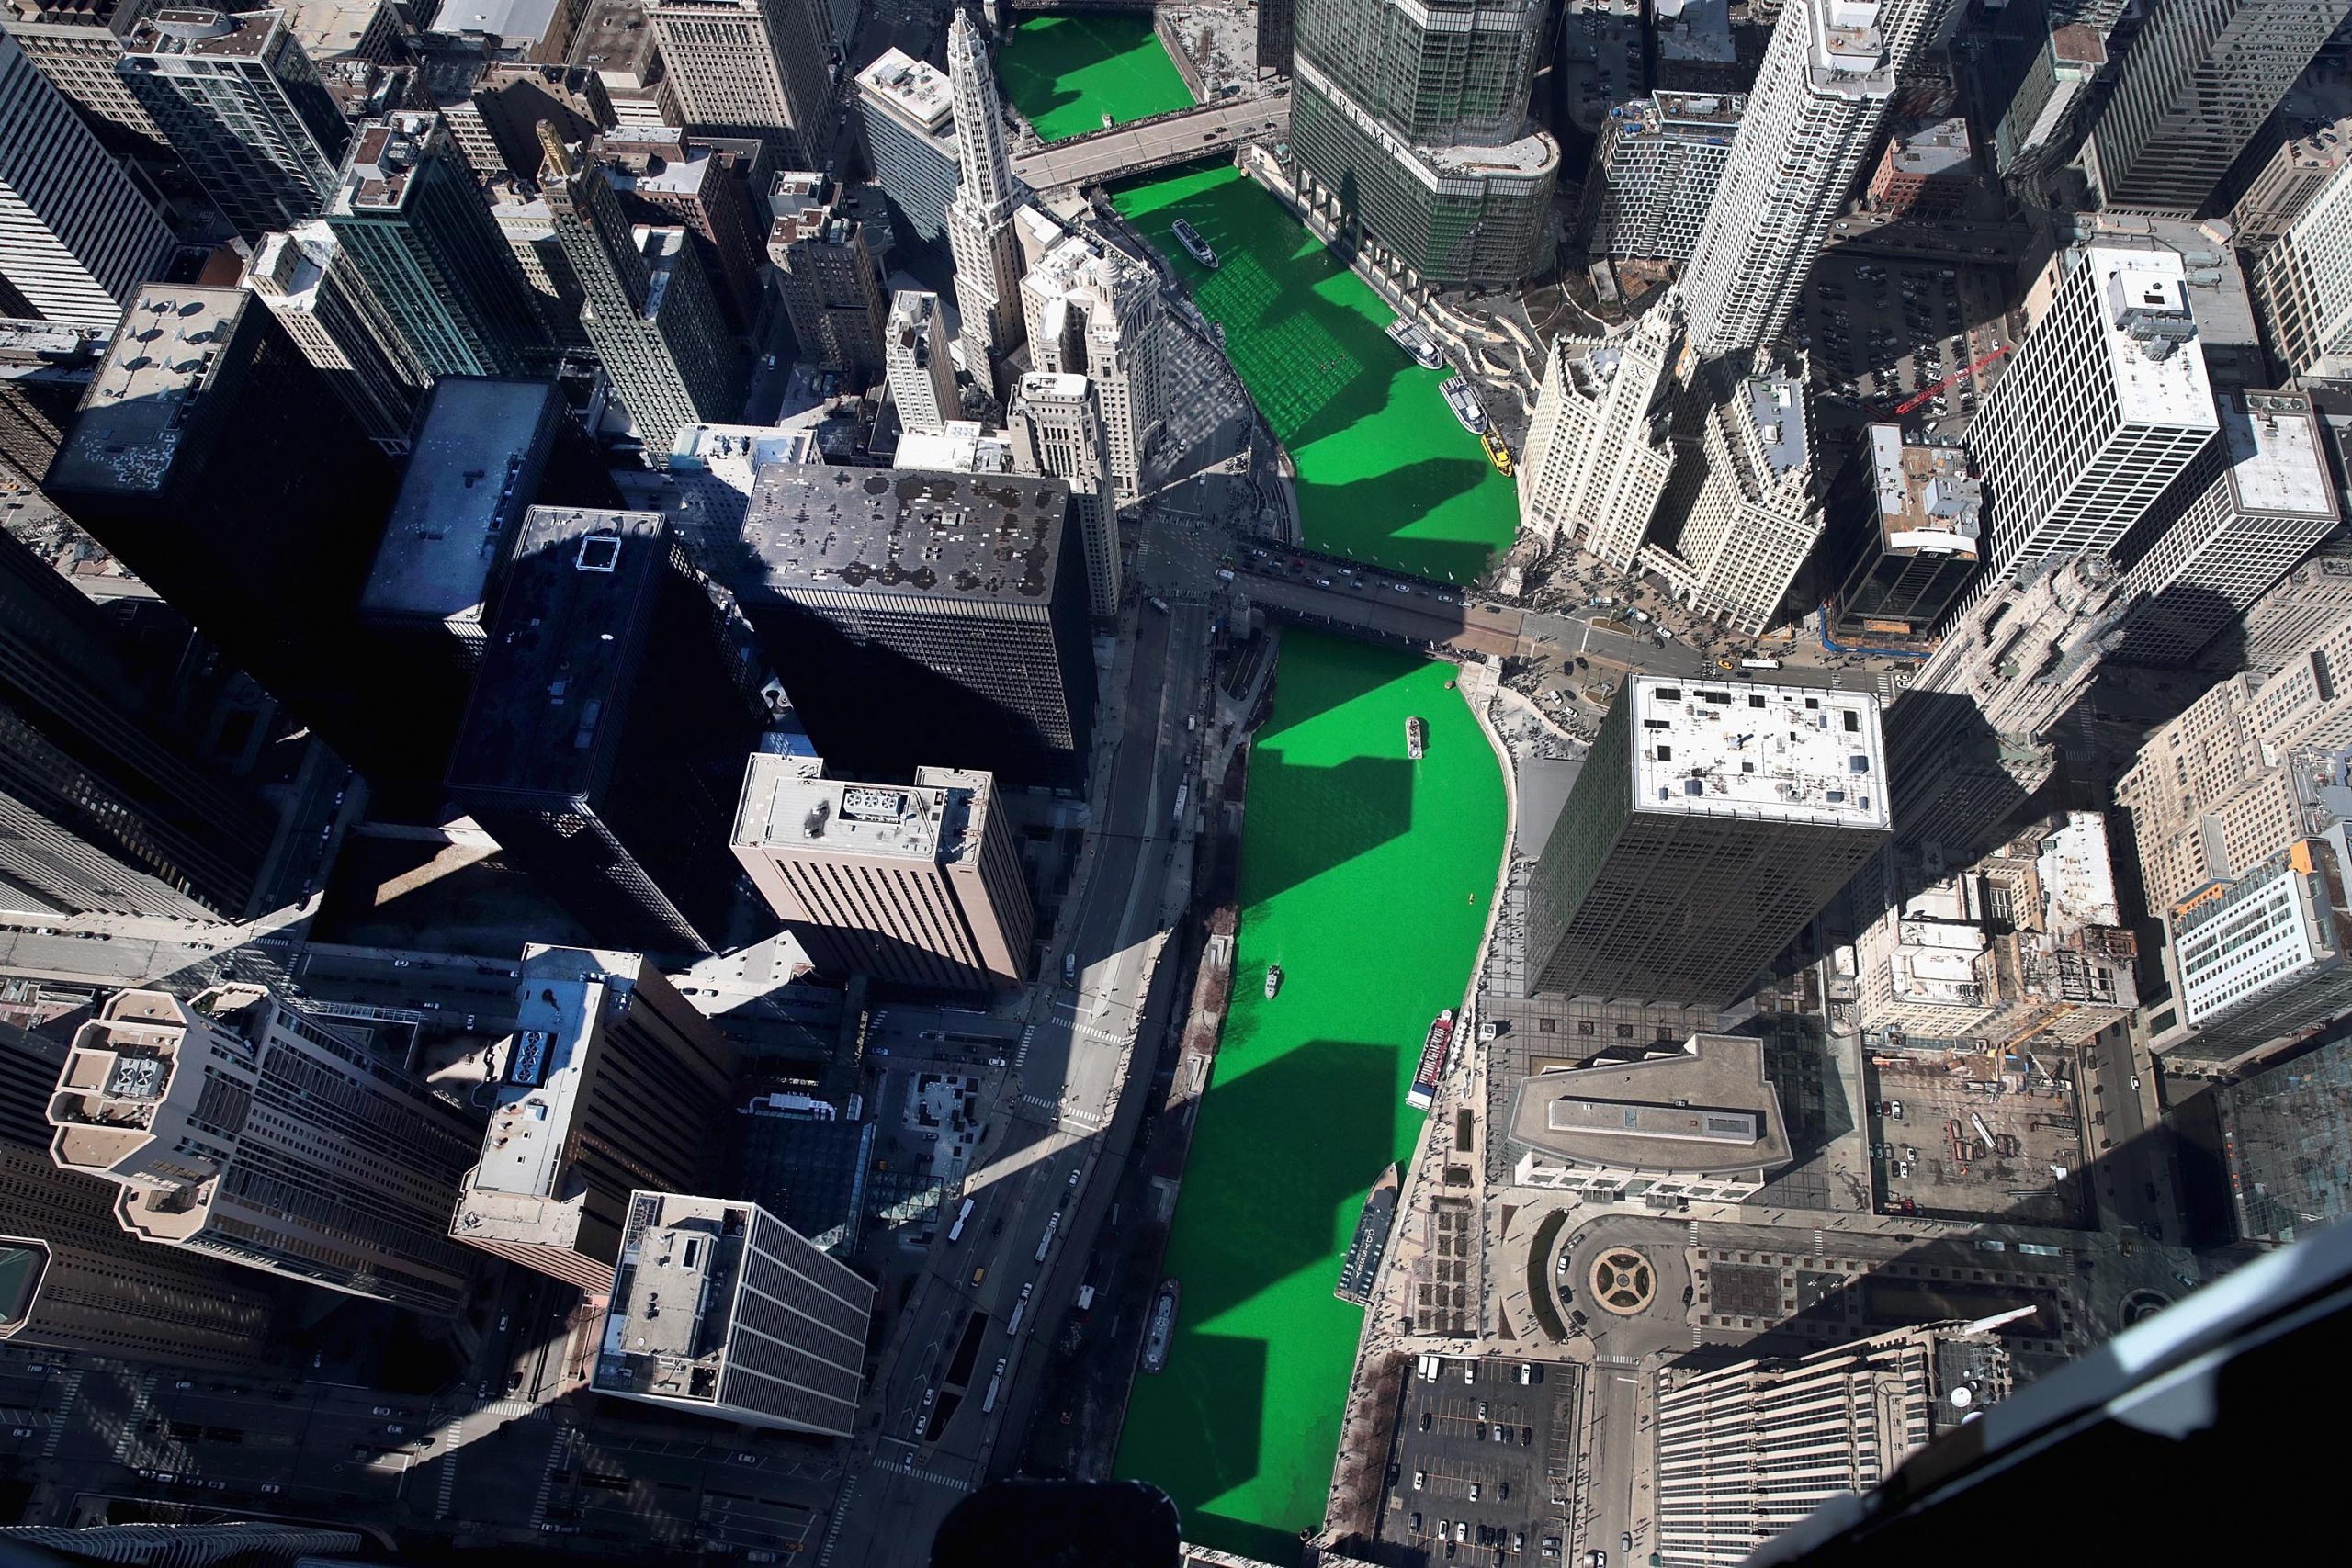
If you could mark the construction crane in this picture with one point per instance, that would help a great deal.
(1923, 393)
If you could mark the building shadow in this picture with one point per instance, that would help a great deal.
(1398, 500)
(1345, 811)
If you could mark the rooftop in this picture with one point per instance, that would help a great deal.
(653, 160)
(672, 1313)
(2077, 875)
(2276, 464)
(1784, 753)
(1938, 151)
(129, 431)
(1695, 29)
(889, 531)
(470, 474)
(911, 87)
(1927, 500)
(24, 341)
(1709, 1109)
(513, 21)
(960, 446)
(562, 658)
(384, 154)
(327, 29)
(616, 41)
(1711, 115)
(788, 804)
(745, 447)
(216, 35)
(1848, 53)
(2150, 334)
(2076, 44)
(1776, 407)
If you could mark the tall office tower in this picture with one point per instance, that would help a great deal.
(496, 126)
(2045, 103)
(1901, 538)
(76, 44)
(2302, 283)
(44, 369)
(527, 225)
(2100, 16)
(410, 218)
(1094, 311)
(703, 183)
(949, 610)
(2255, 504)
(1057, 425)
(1708, 826)
(213, 460)
(650, 312)
(979, 221)
(76, 237)
(608, 729)
(914, 352)
(2261, 958)
(752, 68)
(1412, 137)
(2286, 185)
(2196, 84)
(247, 1542)
(610, 1079)
(1600, 448)
(1277, 32)
(909, 110)
(1811, 125)
(2106, 403)
(827, 273)
(1969, 742)
(241, 103)
(71, 1278)
(1756, 510)
(1743, 1451)
(1655, 173)
(776, 1336)
(2309, 598)
(98, 811)
(283, 1144)
(917, 886)
(626, 55)
(336, 318)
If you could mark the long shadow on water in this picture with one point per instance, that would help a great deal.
(1340, 812)
(1366, 518)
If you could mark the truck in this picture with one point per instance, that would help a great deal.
(1183, 794)
(955, 1230)
(1085, 1297)
(1045, 1241)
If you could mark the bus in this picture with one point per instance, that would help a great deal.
(1047, 1240)
(955, 1230)
(1019, 1309)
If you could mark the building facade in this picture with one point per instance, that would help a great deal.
(2289, 181)
(240, 1128)
(2280, 1129)
(989, 260)
(1599, 447)
(1707, 826)
(828, 274)
(2055, 88)
(2303, 282)
(610, 1078)
(1059, 429)
(1409, 126)
(2263, 958)
(2312, 597)
(76, 43)
(777, 1338)
(908, 109)
(1904, 521)
(1926, 173)
(1755, 507)
(1092, 311)
(77, 238)
(1655, 173)
(752, 68)
(336, 318)
(922, 374)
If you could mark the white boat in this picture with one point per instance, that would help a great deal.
(1273, 980)
(1415, 342)
(1465, 404)
(1190, 238)
(1162, 1332)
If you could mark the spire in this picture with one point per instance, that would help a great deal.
(979, 122)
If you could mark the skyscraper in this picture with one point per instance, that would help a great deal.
(922, 376)
(241, 1128)
(949, 612)
(908, 108)
(979, 221)
(241, 103)
(2056, 86)
(1411, 127)
(1708, 826)
(408, 213)
(1655, 173)
(777, 1334)
(1277, 32)
(752, 68)
(611, 1078)
(1092, 311)
(650, 311)
(74, 1280)
(1904, 523)
(917, 886)
(1812, 123)
(1600, 448)
(98, 811)
(828, 274)
(703, 183)
(76, 237)
(2302, 283)
(2263, 957)
(2105, 404)
(76, 43)
(1755, 507)
(44, 369)
(496, 127)
(313, 289)
(608, 729)
(2196, 84)
(1057, 422)
(2309, 598)
(212, 458)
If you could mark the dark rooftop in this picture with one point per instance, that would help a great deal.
(478, 445)
(563, 653)
(960, 536)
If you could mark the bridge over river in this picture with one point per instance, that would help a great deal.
(1140, 145)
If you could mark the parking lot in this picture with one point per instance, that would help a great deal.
(1882, 330)
(1482, 1463)
(1953, 1139)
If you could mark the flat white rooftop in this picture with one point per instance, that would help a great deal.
(915, 89)
(2276, 464)
(789, 804)
(558, 1000)
(1781, 753)
(2077, 874)
(2149, 331)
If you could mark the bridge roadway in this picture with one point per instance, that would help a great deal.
(1384, 608)
(1154, 143)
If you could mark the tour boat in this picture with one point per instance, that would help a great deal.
(1416, 738)
(1410, 337)
(1465, 404)
(1273, 980)
(1190, 238)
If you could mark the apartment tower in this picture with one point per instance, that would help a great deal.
(922, 374)
(757, 68)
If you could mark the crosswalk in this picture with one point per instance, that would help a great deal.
(1020, 1052)
(69, 1390)
(136, 1418)
(452, 1446)
(834, 1528)
(937, 1478)
(556, 1453)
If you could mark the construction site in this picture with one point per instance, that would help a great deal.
(1978, 1135)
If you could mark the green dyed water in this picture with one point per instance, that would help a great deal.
(1385, 471)
(1367, 877)
(1066, 73)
